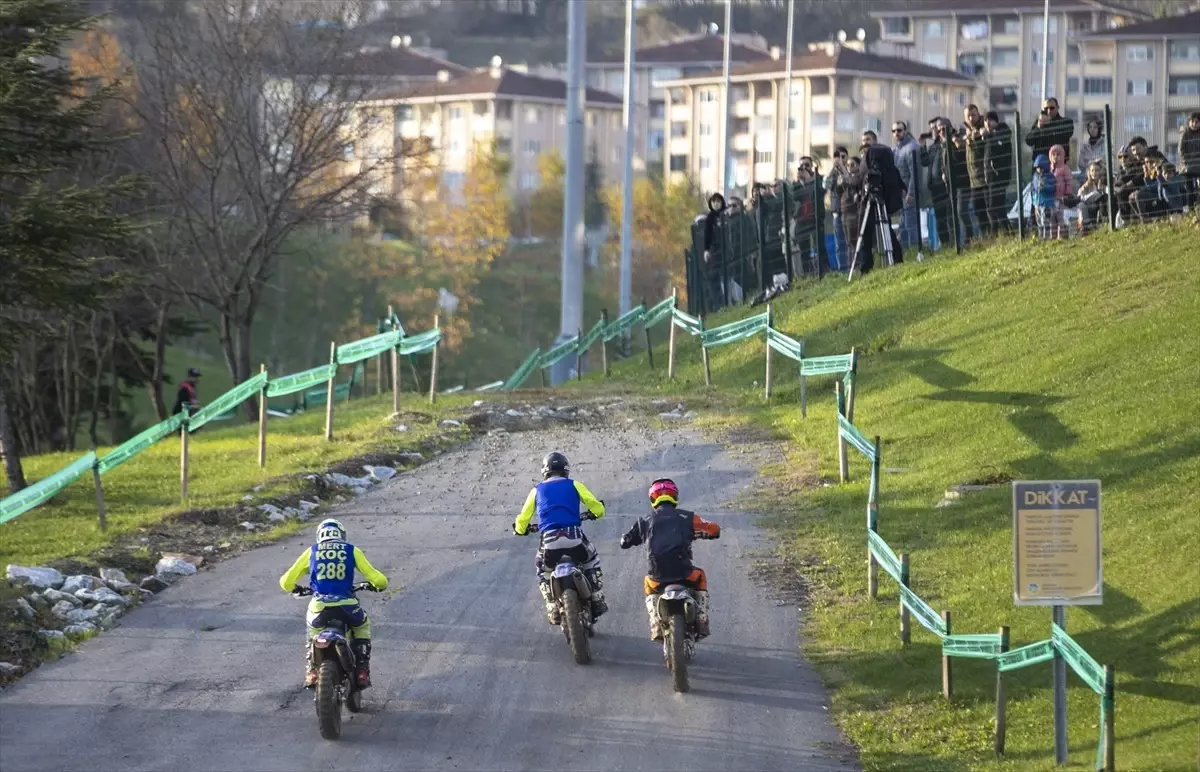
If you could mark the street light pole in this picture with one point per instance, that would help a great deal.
(787, 99)
(726, 105)
(1045, 50)
(571, 298)
(627, 115)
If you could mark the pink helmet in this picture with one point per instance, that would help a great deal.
(663, 490)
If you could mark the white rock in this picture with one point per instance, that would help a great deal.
(247, 497)
(450, 422)
(401, 428)
(113, 575)
(74, 584)
(584, 413)
(689, 415)
(249, 526)
(944, 503)
(412, 456)
(380, 473)
(58, 596)
(346, 481)
(173, 567)
(477, 403)
(38, 600)
(270, 509)
(8, 668)
(125, 588)
(513, 413)
(208, 550)
(38, 576)
(61, 609)
(80, 631)
(291, 512)
(224, 545)
(308, 506)
(103, 595)
(671, 416)
(25, 610)
(78, 616)
(276, 517)
(54, 639)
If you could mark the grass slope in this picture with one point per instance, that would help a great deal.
(1022, 361)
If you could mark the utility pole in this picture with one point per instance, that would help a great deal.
(726, 106)
(627, 115)
(571, 315)
(1045, 51)
(787, 100)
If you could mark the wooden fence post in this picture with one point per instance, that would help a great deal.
(433, 368)
(603, 342)
(262, 422)
(1110, 733)
(947, 675)
(395, 367)
(1001, 699)
(578, 355)
(767, 375)
(646, 330)
(671, 340)
(905, 625)
(843, 470)
(99, 493)
(803, 390)
(183, 460)
(704, 355)
(329, 390)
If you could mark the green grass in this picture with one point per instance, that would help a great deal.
(223, 467)
(1035, 361)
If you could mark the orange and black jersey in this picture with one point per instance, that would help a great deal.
(668, 533)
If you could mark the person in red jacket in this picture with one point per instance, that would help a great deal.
(668, 533)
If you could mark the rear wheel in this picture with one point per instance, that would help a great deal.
(329, 709)
(354, 700)
(573, 623)
(677, 653)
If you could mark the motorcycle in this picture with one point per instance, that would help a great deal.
(677, 610)
(571, 590)
(334, 659)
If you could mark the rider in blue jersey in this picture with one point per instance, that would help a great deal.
(556, 501)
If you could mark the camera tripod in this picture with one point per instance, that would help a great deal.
(883, 231)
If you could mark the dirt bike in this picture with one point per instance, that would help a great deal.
(334, 660)
(571, 591)
(677, 611)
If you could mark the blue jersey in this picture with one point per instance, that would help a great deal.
(331, 570)
(557, 504)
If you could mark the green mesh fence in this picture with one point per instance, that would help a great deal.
(735, 331)
(349, 353)
(24, 500)
(837, 364)
(851, 434)
(290, 384)
(1025, 656)
(928, 618)
(984, 646)
(884, 555)
(227, 401)
(523, 372)
(134, 445)
(687, 322)
(789, 347)
(1088, 669)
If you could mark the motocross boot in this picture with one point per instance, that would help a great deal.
(652, 610)
(599, 605)
(552, 615)
(310, 672)
(362, 661)
(702, 630)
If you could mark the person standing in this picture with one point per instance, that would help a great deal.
(958, 182)
(848, 190)
(975, 148)
(934, 157)
(1092, 147)
(1050, 129)
(833, 183)
(998, 169)
(907, 155)
(187, 395)
(1189, 157)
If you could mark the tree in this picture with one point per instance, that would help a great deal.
(594, 214)
(55, 234)
(257, 126)
(662, 222)
(545, 206)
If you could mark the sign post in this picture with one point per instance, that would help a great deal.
(1057, 563)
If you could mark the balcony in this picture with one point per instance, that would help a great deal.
(743, 109)
(822, 103)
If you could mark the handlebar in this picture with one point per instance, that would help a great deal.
(532, 528)
(301, 592)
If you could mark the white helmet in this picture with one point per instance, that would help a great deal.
(331, 530)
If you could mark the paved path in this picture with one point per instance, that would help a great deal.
(467, 673)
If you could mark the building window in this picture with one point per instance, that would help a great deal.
(740, 126)
(972, 65)
(404, 113)
(1073, 56)
(820, 120)
(1139, 88)
(1139, 123)
(678, 163)
(530, 180)
(875, 125)
(679, 129)
(1097, 86)
(533, 115)
(658, 108)
(934, 60)
(1010, 25)
(1003, 96)
(679, 96)
(976, 29)
(763, 156)
(1036, 25)
(504, 109)
(1180, 120)
(764, 122)
(706, 130)
(934, 97)
(1183, 86)
(1072, 85)
(844, 122)
(1186, 52)
(531, 147)
(562, 117)
(1006, 57)
(1139, 54)
(659, 74)
(906, 95)
(897, 27)
(1035, 54)
(454, 113)
(933, 29)
(706, 163)
(1035, 90)
(960, 98)
(591, 119)
(739, 93)
(616, 83)
(456, 146)
(656, 139)
(708, 96)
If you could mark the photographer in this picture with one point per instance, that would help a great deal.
(974, 144)
(1050, 129)
(998, 169)
(882, 189)
(804, 219)
(959, 182)
(933, 158)
(714, 253)
(833, 184)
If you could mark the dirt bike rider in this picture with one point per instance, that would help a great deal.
(668, 532)
(330, 564)
(556, 502)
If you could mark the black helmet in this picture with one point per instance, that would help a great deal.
(555, 463)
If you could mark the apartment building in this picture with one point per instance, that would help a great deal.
(524, 116)
(838, 91)
(999, 44)
(654, 64)
(1151, 75)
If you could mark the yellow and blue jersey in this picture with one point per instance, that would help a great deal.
(330, 566)
(556, 503)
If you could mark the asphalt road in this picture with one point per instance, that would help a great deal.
(467, 673)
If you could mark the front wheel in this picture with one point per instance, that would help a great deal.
(573, 623)
(329, 707)
(677, 653)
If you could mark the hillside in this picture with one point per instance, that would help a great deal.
(1033, 361)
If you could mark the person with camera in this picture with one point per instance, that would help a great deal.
(804, 219)
(959, 182)
(907, 154)
(998, 169)
(974, 142)
(833, 183)
(933, 157)
(714, 252)
(1051, 128)
(880, 198)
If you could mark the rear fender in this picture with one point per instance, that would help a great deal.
(677, 599)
